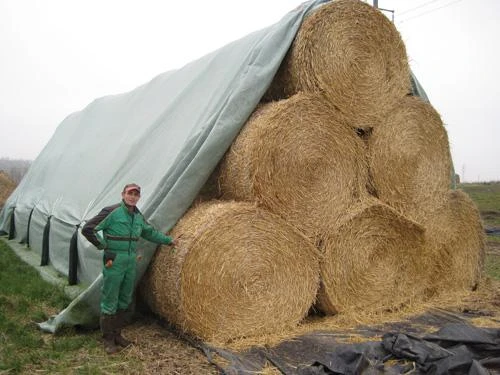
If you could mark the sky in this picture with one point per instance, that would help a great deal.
(57, 56)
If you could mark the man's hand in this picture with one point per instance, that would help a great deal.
(109, 256)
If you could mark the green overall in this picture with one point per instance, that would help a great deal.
(118, 233)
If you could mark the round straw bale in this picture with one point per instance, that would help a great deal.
(352, 52)
(297, 158)
(409, 158)
(455, 237)
(238, 271)
(371, 262)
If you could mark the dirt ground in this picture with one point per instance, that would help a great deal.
(161, 351)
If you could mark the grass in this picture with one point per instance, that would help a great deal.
(26, 299)
(487, 198)
(492, 266)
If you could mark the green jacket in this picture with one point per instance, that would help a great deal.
(115, 228)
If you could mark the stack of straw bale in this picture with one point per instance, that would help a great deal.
(338, 159)
(239, 271)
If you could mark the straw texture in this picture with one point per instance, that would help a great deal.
(299, 159)
(238, 271)
(455, 240)
(409, 158)
(353, 54)
(336, 192)
(371, 262)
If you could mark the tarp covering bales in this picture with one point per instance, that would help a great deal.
(317, 203)
(167, 135)
(367, 186)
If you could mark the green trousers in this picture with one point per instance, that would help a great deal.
(118, 282)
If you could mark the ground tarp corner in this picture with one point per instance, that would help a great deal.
(458, 347)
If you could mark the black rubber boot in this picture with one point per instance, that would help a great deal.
(120, 323)
(108, 326)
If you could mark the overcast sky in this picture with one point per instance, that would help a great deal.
(57, 56)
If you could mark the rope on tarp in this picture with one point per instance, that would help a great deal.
(12, 227)
(73, 258)
(45, 243)
(28, 228)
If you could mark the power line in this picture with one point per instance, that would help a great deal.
(429, 11)
(419, 6)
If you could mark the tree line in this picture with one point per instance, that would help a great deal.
(15, 168)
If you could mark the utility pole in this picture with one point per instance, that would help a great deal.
(375, 5)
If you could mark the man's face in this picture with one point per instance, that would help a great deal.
(131, 197)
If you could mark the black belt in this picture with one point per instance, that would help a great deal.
(119, 238)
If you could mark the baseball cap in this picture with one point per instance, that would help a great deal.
(130, 187)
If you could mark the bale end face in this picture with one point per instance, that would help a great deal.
(370, 262)
(456, 242)
(243, 272)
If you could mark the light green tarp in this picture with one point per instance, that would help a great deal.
(417, 88)
(166, 135)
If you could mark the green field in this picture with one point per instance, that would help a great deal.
(487, 198)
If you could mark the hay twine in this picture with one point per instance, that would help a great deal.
(456, 243)
(298, 159)
(353, 54)
(371, 262)
(409, 158)
(238, 271)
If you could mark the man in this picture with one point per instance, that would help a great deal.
(116, 230)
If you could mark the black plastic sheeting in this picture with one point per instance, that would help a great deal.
(492, 231)
(456, 348)
(73, 258)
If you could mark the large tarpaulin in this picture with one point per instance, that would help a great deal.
(458, 347)
(166, 135)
